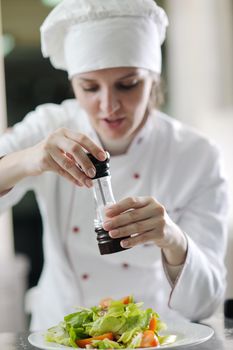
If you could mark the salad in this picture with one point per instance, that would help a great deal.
(113, 324)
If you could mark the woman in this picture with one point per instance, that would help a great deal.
(167, 178)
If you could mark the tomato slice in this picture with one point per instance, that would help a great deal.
(126, 300)
(83, 342)
(153, 324)
(149, 339)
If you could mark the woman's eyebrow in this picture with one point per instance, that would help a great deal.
(86, 79)
(121, 78)
(128, 76)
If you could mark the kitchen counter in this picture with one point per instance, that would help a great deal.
(221, 340)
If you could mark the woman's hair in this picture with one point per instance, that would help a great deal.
(157, 93)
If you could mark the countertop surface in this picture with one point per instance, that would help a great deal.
(222, 338)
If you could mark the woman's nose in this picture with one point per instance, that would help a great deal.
(109, 103)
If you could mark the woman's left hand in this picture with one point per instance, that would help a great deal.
(146, 220)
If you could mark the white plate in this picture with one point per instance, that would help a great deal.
(187, 334)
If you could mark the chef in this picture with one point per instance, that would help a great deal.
(170, 189)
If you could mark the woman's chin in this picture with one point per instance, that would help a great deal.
(113, 134)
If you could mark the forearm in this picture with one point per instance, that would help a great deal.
(13, 169)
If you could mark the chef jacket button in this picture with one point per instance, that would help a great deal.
(125, 265)
(85, 276)
(76, 229)
(136, 176)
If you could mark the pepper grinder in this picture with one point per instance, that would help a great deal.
(103, 196)
(228, 313)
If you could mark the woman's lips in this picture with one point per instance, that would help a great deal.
(113, 123)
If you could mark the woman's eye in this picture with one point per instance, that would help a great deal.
(128, 86)
(119, 86)
(90, 88)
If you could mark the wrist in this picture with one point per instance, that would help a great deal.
(20, 164)
(175, 252)
(12, 171)
(28, 166)
(16, 164)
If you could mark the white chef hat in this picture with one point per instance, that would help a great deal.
(86, 35)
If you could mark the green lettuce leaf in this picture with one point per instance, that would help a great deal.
(106, 344)
(78, 319)
(167, 339)
(161, 326)
(106, 324)
(58, 334)
(135, 342)
(127, 336)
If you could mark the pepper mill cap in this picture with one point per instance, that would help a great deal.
(228, 308)
(102, 167)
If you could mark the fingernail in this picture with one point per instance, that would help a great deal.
(107, 225)
(102, 155)
(91, 172)
(113, 233)
(124, 244)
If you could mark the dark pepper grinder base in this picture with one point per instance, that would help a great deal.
(108, 245)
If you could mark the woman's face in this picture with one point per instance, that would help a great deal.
(115, 100)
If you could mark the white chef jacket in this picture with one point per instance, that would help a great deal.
(166, 160)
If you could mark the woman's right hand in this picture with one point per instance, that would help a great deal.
(64, 152)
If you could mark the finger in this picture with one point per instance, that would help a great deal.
(126, 204)
(86, 143)
(75, 152)
(135, 228)
(69, 166)
(57, 169)
(133, 216)
(155, 235)
(138, 240)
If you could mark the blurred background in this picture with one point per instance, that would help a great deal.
(198, 80)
